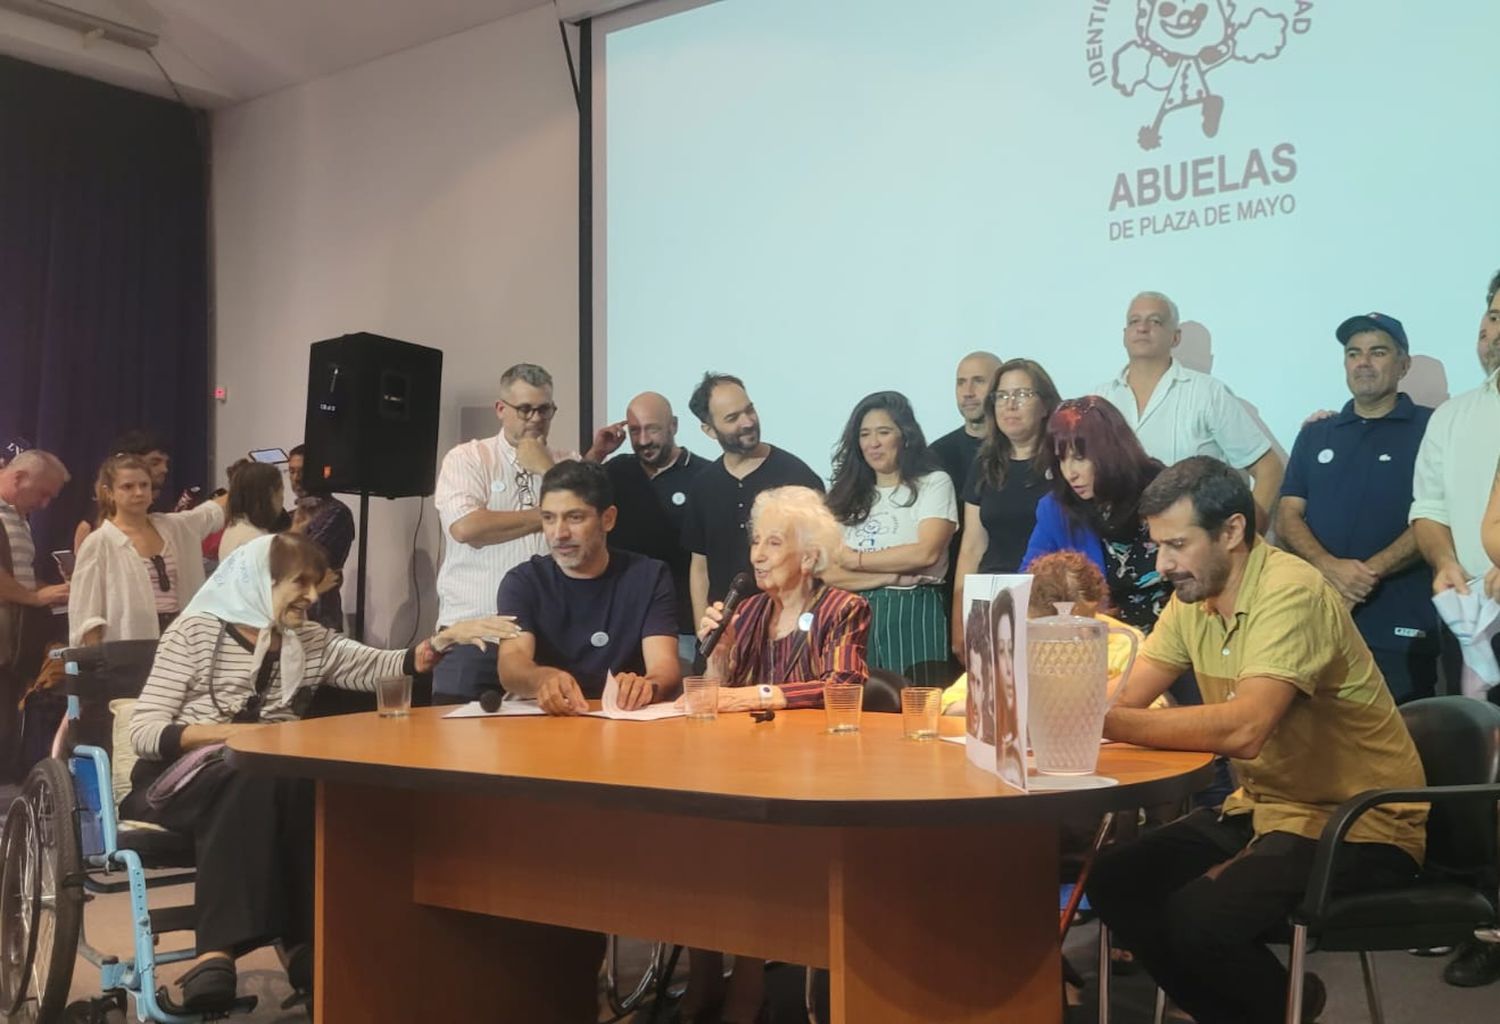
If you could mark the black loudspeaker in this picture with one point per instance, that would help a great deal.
(372, 416)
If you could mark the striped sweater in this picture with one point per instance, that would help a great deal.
(177, 693)
(831, 650)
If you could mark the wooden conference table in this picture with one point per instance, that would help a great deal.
(466, 866)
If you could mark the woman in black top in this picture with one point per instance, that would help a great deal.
(1007, 480)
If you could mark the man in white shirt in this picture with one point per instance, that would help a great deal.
(28, 482)
(1455, 471)
(1177, 412)
(487, 503)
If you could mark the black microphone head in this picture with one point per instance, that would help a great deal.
(489, 700)
(741, 585)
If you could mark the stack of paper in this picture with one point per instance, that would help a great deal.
(609, 708)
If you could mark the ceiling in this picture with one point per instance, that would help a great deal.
(222, 52)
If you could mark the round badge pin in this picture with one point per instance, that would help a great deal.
(679, 498)
(804, 621)
(1325, 456)
(599, 639)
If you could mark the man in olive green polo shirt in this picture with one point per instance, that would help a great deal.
(1292, 695)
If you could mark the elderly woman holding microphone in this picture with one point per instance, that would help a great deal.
(781, 646)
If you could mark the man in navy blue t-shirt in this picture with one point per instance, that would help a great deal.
(1345, 499)
(585, 611)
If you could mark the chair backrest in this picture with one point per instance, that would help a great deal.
(883, 690)
(100, 674)
(1458, 740)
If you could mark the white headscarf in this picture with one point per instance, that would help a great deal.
(239, 592)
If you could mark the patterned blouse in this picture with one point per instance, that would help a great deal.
(831, 650)
(1136, 589)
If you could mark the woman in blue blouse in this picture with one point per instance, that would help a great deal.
(1098, 470)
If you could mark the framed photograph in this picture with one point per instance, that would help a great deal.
(995, 657)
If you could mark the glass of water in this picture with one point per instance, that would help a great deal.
(920, 707)
(393, 696)
(842, 703)
(701, 698)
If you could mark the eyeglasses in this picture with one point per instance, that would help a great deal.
(159, 564)
(1020, 396)
(543, 411)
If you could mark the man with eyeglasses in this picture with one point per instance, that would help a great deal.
(1177, 412)
(487, 503)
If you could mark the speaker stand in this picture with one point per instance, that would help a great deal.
(359, 586)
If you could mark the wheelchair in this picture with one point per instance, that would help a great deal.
(62, 845)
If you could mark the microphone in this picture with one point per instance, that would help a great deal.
(489, 700)
(738, 588)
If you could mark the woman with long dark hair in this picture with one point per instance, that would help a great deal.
(1099, 470)
(898, 513)
(256, 496)
(1008, 478)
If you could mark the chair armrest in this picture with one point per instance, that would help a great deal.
(84, 657)
(1320, 882)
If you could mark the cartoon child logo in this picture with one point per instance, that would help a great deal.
(1177, 44)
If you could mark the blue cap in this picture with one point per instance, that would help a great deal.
(1373, 322)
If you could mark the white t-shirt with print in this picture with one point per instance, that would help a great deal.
(894, 519)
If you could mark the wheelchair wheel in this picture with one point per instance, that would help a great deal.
(54, 807)
(20, 907)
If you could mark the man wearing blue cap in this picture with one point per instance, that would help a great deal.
(1345, 500)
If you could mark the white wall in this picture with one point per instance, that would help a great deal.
(431, 196)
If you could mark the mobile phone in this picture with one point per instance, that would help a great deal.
(64, 560)
(273, 456)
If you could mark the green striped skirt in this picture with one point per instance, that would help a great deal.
(909, 633)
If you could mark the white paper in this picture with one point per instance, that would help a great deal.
(508, 707)
(609, 706)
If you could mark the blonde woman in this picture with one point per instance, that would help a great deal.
(139, 568)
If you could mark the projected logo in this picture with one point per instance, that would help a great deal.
(1178, 48)
(1177, 55)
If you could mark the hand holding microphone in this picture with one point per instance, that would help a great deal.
(716, 617)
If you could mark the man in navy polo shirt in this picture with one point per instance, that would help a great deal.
(1345, 500)
(585, 611)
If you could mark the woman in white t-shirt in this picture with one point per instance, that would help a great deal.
(898, 512)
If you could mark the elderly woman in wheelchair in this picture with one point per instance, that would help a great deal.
(241, 656)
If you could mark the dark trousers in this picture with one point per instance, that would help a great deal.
(11, 688)
(464, 673)
(253, 836)
(1203, 938)
(1410, 674)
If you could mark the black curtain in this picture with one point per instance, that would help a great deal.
(103, 279)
